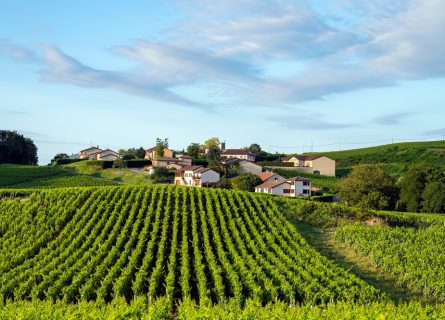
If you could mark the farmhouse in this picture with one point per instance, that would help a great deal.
(151, 153)
(313, 164)
(293, 187)
(196, 176)
(245, 166)
(172, 163)
(108, 155)
(238, 153)
(90, 153)
(270, 176)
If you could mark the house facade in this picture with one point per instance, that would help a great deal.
(151, 153)
(313, 164)
(294, 187)
(90, 153)
(196, 176)
(108, 154)
(238, 153)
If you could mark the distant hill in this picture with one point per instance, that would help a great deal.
(395, 157)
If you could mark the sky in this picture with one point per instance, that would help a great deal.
(293, 76)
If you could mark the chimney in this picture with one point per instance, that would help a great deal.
(222, 145)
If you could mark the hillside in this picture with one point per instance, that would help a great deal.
(18, 177)
(394, 157)
(166, 252)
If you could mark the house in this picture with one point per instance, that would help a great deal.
(270, 176)
(196, 176)
(108, 155)
(151, 154)
(238, 153)
(293, 187)
(90, 153)
(313, 164)
(172, 163)
(246, 166)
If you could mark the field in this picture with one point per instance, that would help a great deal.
(181, 243)
(394, 157)
(18, 177)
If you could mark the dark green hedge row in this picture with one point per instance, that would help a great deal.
(275, 164)
(67, 161)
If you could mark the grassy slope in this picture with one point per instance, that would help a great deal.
(121, 176)
(395, 157)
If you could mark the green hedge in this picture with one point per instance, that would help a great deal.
(137, 163)
(275, 164)
(66, 161)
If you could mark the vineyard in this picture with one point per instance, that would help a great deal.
(97, 244)
(13, 176)
(414, 257)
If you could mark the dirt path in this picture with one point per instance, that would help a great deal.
(358, 264)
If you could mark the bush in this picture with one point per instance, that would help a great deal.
(246, 182)
(137, 163)
(67, 161)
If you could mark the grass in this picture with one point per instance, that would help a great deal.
(394, 157)
(120, 176)
(322, 240)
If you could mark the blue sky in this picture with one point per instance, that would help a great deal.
(284, 74)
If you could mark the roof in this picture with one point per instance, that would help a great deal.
(184, 157)
(191, 168)
(271, 184)
(230, 160)
(91, 148)
(235, 152)
(266, 175)
(298, 179)
(285, 158)
(303, 158)
(109, 150)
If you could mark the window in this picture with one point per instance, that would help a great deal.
(287, 190)
(305, 191)
(306, 183)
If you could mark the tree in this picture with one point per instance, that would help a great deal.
(246, 182)
(162, 175)
(368, 186)
(433, 197)
(420, 189)
(193, 150)
(161, 144)
(140, 153)
(15, 148)
(211, 143)
(60, 156)
(119, 163)
(214, 156)
(254, 148)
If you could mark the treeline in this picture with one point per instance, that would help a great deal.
(420, 189)
(16, 149)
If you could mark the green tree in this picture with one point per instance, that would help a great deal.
(412, 184)
(119, 163)
(246, 182)
(368, 186)
(211, 143)
(254, 148)
(60, 156)
(162, 175)
(214, 156)
(140, 153)
(193, 150)
(161, 144)
(433, 197)
(15, 148)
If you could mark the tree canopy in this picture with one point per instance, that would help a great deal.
(193, 150)
(161, 144)
(368, 186)
(15, 148)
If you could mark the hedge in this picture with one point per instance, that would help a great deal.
(66, 161)
(137, 163)
(275, 164)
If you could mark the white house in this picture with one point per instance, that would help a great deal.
(238, 153)
(269, 176)
(313, 164)
(196, 176)
(108, 155)
(246, 166)
(293, 187)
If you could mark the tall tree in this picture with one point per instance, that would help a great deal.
(161, 144)
(140, 153)
(15, 148)
(212, 142)
(193, 150)
(214, 156)
(254, 148)
(368, 186)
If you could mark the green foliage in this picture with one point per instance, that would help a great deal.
(161, 144)
(255, 148)
(164, 243)
(275, 164)
(194, 150)
(211, 143)
(119, 163)
(422, 189)
(132, 153)
(16, 149)
(415, 257)
(246, 182)
(162, 175)
(369, 187)
(214, 156)
(60, 156)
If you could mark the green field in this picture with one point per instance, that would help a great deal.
(395, 157)
(19, 177)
